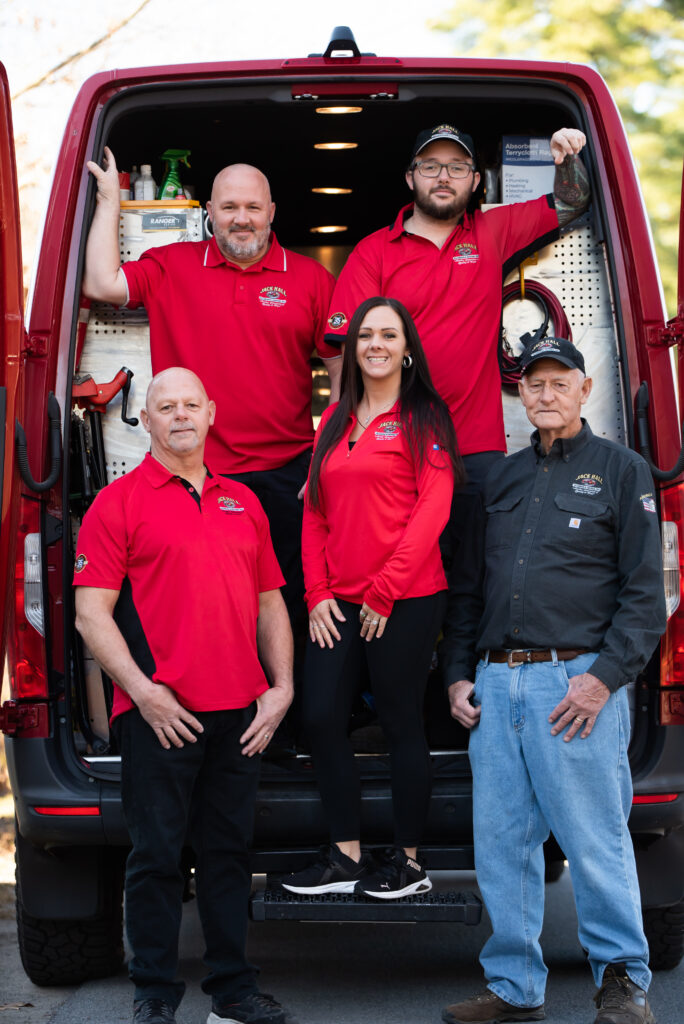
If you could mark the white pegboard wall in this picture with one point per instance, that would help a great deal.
(116, 338)
(574, 269)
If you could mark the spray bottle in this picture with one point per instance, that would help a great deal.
(171, 187)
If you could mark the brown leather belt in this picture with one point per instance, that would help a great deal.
(521, 657)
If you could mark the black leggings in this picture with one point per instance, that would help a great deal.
(398, 665)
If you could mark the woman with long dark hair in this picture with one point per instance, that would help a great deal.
(377, 500)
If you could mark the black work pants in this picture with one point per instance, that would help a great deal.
(211, 786)
(462, 545)
(398, 665)
(277, 491)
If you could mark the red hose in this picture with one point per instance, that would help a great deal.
(510, 365)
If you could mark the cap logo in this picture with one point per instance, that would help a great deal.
(337, 320)
(230, 505)
(80, 563)
(442, 128)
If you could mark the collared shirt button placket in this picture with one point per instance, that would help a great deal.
(534, 513)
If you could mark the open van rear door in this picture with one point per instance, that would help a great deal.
(678, 322)
(11, 344)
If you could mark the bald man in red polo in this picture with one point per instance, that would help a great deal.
(204, 631)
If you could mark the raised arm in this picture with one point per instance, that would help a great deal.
(571, 191)
(103, 280)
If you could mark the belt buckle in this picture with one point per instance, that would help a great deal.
(518, 650)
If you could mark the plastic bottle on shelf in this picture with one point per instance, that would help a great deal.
(171, 187)
(145, 186)
(134, 175)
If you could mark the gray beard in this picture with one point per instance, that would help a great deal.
(242, 250)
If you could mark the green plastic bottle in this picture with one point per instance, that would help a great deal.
(171, 187)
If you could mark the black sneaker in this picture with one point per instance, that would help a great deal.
(153, 1011)
(395, 875)
(332, 872)
(259, 1008)
(620, 1001)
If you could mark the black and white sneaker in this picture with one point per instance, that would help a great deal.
(394, 875)
(153, 1011)
(258, 1008)
(332, 872)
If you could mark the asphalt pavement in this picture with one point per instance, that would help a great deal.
(340, 973)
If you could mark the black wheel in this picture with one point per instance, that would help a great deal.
(68, 952)
(664, 927)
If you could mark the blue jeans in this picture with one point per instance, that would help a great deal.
(527, 782)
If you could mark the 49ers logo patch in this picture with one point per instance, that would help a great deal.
(337, 320)
(230, 505)
(273, 296)
(80, 563)
(387, 430)
(466, 252)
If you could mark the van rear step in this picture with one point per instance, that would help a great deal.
(275, 904)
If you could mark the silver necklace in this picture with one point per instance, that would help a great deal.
(364, 422)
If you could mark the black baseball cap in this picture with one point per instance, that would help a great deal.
(560, 349)
(443, 131)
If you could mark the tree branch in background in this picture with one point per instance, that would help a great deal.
(81, 53)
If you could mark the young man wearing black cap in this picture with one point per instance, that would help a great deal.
(447, 265)
(573, 609)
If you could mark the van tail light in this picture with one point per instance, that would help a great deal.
(28, 676)
(672, 643)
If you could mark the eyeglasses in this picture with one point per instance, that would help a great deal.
(433, 169)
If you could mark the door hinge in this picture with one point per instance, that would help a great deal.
(36, 344)
(672, 333)
(16, 717)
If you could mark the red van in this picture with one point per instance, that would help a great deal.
(72, 378)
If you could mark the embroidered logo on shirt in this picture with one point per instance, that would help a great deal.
(387, 430)
(575, 523)
(336, 320)
(588, 483)
(273, 296)
(230, 505)
(80, 563)
(466, 252)
(648, 501)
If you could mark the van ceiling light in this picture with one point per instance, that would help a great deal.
(328, 229)
(335, 145)
(339, 110)
(330, 191)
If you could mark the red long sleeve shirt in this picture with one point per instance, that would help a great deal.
(375, 535)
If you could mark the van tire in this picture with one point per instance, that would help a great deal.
(664, 928)
(69, 952)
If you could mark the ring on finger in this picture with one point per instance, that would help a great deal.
(374, 622)
(362, 615)
(579, 719)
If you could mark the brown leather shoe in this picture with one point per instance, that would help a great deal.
(620, 1001)
(487, 1008)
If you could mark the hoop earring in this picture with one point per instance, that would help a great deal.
(407, 361)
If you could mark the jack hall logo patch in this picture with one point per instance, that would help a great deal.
(230, 505)
(80, 563)
(273, 296)
(587, 483)
(337, 320)
(387, 430)
(466, 252)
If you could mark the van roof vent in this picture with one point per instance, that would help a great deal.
(342, 45)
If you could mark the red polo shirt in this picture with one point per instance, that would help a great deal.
(454, 297)
(196, 572)
(375, 535)
(248, 334)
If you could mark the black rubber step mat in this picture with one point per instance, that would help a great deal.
(276, 904)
